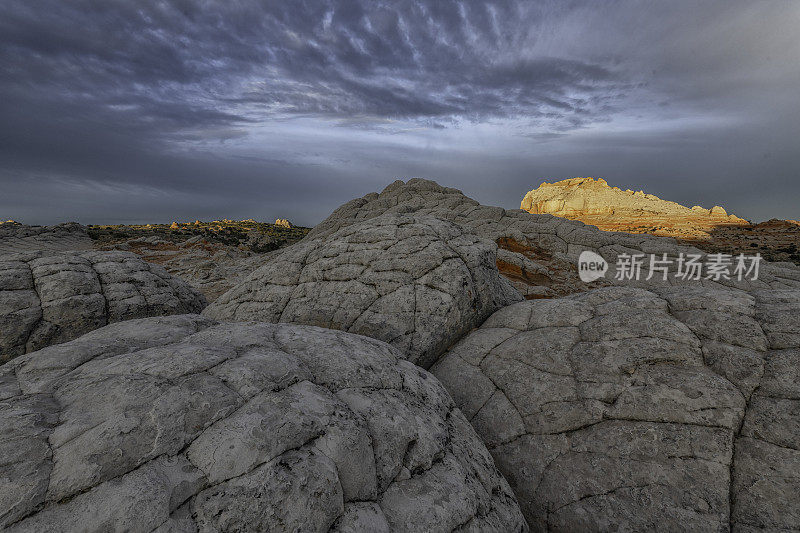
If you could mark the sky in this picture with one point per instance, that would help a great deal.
(119, 111)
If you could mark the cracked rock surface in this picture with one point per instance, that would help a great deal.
(551, 238)
(416, 282)
(18, 238)
(627, 409)
(51, 297)
(183, 424)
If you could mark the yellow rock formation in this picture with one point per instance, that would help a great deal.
(594, 202)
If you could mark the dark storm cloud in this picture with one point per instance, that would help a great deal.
(115, 108)
(179, 63)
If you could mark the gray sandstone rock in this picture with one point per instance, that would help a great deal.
(625, 409)
(418, 283)
(51, 297)
(553, 236)
(181, 424)
(20, 238)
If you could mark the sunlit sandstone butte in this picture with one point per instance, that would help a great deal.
(612, 209)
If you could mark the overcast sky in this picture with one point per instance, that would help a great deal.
(153, 111)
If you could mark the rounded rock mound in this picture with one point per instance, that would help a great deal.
(417, 282)
(637, 410)
(182, 424)
(554, 243)
(50, 297)
(21, 238)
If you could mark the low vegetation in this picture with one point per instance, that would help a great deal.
(256, 236)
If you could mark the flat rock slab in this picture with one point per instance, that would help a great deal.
(625, 409)
(19, 238)
(51, 297)
(183, 424)
(416, 282)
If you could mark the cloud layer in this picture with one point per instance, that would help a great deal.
(160, 110)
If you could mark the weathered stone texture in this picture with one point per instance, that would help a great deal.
(179, 423)
(19, 238)
(51, 297)
(612, 209)
(627, 409)
(549, 236)
(418, 283)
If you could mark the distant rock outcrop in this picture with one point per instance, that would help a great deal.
(612, 209)
(210, 257)
(181, 424)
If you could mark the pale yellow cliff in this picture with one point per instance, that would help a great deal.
(595, 202)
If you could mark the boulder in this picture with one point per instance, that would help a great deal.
(182, 424)
(632, 410)
(51, 297)
(19, 238)
(418, 283)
